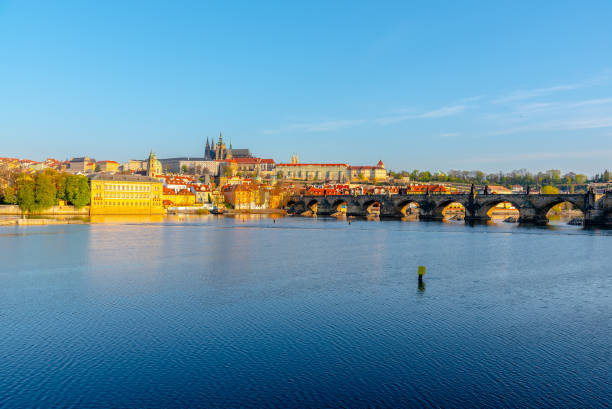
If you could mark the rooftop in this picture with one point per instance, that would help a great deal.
(123, 178)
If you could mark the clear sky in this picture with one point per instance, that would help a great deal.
(491, 85)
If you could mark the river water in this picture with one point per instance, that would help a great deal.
(205, 311)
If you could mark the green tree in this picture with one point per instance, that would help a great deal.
(83, 195)
(549, 190)
(77, 190)
(44, 191)
(580, 179)
(8, 195)
(60, 186)
(184, 169)
(25, 193)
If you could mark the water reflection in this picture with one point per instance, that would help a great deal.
(126, 219)
(421, 286)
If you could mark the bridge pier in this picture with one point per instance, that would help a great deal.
(476, 219)
(431, 217)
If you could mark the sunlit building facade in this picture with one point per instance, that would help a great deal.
(125, 194)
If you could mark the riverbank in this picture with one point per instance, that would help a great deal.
(255, 211)
(38, 222)
(14, 210)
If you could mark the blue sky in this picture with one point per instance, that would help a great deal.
(419, 84)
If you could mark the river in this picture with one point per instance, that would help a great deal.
(207, 311)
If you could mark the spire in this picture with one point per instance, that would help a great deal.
(207, 144)
(220, 137)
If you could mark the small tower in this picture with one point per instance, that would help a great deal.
(229, 154)
(207, 155)
(154, 166)
(294, 159)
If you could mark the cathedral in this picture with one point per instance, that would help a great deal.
(218, 151)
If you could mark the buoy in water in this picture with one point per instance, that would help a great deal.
(421, 271)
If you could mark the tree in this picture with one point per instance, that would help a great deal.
(60, 186)
(25, 193)
(184, 169)
(44, 191)
(549, 190)
(580, 179)
(77, 190)
(83, 195)
(8, 195)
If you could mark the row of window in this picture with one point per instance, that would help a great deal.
(127, 187)
(127, 204)
(125, 195)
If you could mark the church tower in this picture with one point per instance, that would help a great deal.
(207, 151)
(154, 166)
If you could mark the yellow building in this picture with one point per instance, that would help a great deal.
(247, 197)
(376, 173)
(181, 198)
(125, 194)
(107, 166)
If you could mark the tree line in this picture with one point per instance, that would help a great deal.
(34, 192)
(521, 177)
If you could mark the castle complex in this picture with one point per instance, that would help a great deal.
(218, 151)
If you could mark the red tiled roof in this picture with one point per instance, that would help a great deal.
(201, 188)
(312, 164)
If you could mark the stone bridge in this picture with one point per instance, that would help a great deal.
(532, 208)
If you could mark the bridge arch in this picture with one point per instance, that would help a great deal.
(296, 205)
(312, 205)
(486, 209)
(372, 207)
(408, 209)
(339, 206)
(440, 209)
(553, 210)
(561, 199)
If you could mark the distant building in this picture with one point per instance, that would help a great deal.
(255, 167)
(154, 167)
(202, 193)
(125, 194)
(313, 171)
(499, 190)
(82, 165)
(182, 198)
(376, 173)
(191, 165)
(218, 151)
(332, 172)
(107, 166)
